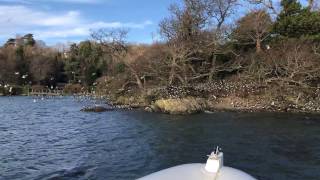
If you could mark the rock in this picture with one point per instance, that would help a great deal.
(181, 105)
(125, 107)
(148, 109)
(209, 112)
(96, 109)
(131, 101)
(122, 100)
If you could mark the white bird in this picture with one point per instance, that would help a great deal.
(268, 47)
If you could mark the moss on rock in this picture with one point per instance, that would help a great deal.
(187, 105)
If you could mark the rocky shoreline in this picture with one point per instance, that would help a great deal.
(193, 105)
(219, 97)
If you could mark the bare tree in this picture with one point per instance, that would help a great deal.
(181, 31)
(132, 56)
(114, 46)
(113, 41)
(314, 5)
(269, 4)
(254, 27)
(7, 65)
(147, 62)
(294, 63)
(310, 4)
(192, 38)
(220, 10)
(273, 5)
(42, 64)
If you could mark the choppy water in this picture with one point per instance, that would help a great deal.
(52, 139)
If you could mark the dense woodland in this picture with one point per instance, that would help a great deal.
(202, 42)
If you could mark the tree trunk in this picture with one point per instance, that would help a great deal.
(136, 76)
(172, 72)
(310, 4)
(139, 82)
(185, 74)
(258, 45)
(212, 70)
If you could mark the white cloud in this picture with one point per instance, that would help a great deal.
(68, 19)
(62, 33)
(84, 1)
(57, 1)
(142, 25)
(16, 17)
(77, 1)
(19, 19)
(85, 29)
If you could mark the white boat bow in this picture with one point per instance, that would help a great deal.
(212, 170)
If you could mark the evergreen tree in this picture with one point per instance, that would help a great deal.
(29, 40)
(85, 63)
(295, 21)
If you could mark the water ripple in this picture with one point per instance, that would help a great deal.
(52, 139)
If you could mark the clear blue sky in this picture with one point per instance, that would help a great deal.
(71, 20)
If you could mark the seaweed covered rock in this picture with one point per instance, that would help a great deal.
(96, 109)
(187, 105)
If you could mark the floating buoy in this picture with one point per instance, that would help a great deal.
(212, 170)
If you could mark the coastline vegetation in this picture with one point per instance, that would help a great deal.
(266, 60)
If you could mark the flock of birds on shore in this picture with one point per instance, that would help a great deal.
(214, 90)
(220, 88)
(240, 89)
(87, 100)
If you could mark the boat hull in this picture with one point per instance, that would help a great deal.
(197, 172)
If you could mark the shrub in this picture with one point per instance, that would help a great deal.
(73, 89)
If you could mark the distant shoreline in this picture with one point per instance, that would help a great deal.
(216, 97)
(221, 106)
